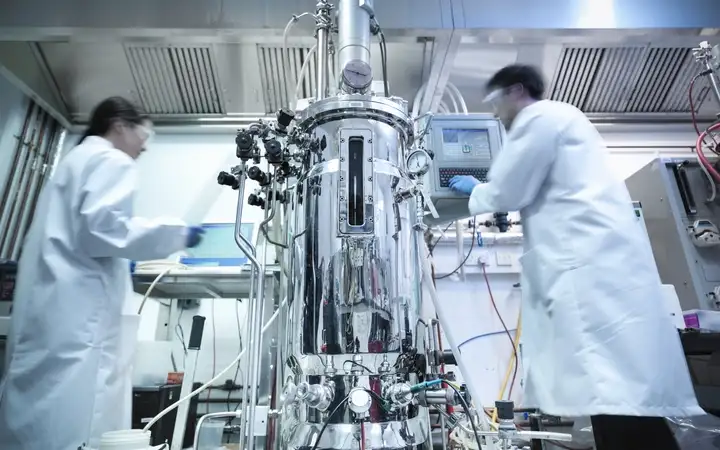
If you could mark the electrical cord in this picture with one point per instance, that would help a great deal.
(327, 421)
(383, 58)
(467, 257)
(507, 330)
(237, 368)
(469, 414)
(357, 364)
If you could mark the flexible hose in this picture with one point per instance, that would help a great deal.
(701, 156)
(211, 382)
(303, 73)
(286, 32)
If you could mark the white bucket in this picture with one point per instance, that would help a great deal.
(127, 440)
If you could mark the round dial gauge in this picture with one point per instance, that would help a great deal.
(357, 74)
(418, 163)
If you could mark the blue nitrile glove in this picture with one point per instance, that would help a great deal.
(194, 236)
(463, 184)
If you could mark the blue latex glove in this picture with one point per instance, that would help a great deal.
(463, 184)
(194, 236)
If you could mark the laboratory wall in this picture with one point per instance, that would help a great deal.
(178, 178)
(13, 108)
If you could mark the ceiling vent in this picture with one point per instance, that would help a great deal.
(633, 79)
(176, 79)
(279, 77)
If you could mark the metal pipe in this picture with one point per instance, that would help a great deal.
(24, 172)
(12, 173)
(714, 81)
(39, 171)
(255, 346)
(257, 338)
(22, 204)
(354, 38)
(322, 63)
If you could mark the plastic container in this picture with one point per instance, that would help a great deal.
(128, 440)
(211, 435)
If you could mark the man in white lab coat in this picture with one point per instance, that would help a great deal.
(596, 339)
(63, 385)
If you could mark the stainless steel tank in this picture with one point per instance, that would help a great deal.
(353, 307)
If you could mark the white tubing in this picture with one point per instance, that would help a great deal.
(454, 89)
(451, 95)
(127, 440)
(211, 382)
(165, 266)
(303, 73)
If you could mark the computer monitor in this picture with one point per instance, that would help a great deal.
(218, 248)
(462, 145)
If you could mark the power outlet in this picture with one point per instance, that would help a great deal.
(504, 259)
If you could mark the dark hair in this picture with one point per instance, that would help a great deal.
(110, 110)
(528, 76)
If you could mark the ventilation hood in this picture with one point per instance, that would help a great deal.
(187, 61)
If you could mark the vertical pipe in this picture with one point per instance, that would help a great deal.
(12, 172)
(19, 175)
(715, 81)
(13, 240)
(353, 32)
(322, 63)
(38, 176)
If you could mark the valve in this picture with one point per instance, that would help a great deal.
(317, 396)
(273, 152)
(256, 200)
(501, 221)
(284, 118)
(226, 179)
(255, 174)
(245, 144)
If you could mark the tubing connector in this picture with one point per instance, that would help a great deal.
(317, 396)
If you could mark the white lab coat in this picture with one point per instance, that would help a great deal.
(596, 337)
(62, 387)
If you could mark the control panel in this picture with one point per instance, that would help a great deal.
(461, 145)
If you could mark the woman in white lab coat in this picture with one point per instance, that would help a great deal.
(63, 387)
(596, 339)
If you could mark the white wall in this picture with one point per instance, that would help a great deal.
(13, 107)
(177, 170)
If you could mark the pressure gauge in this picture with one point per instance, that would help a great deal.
(357, 75)
(418, 163)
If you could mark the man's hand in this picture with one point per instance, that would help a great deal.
(463, 184)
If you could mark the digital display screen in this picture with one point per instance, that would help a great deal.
(466, 142)
(218, 242)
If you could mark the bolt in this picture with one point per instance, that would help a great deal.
(369, 141)
(369, 159)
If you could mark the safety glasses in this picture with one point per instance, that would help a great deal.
(146, 133)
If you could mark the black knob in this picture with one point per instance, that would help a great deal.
(226, 179)
(274, 151)
(255, 174)
(501, 221)
(285, 117)
(255, 200)
(244, 142)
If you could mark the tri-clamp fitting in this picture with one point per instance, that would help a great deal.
(317, 396)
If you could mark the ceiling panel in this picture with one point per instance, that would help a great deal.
(628, 79)
(86, 74)
(176, 79)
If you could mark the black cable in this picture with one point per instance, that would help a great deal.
(462, 264)
(468, 412)
(383, 59)
(327, 421)
(357, 364)
(237, 368)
